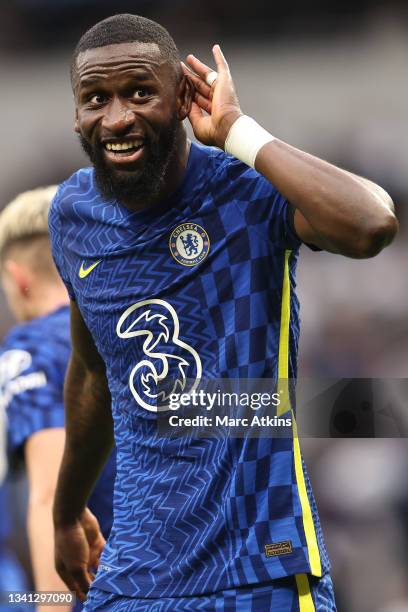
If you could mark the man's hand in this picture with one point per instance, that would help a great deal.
(335, 209)
(78, 548)
(219, 101)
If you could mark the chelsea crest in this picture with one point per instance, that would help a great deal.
(189, 244)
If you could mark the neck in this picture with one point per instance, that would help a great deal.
(45, 301)
(173, 176)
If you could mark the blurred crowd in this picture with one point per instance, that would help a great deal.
(333, 82)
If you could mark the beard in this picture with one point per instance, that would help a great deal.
(139, 186)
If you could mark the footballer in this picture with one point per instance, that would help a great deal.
(179, 258)
(33, 360)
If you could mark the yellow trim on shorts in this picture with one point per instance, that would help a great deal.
(305, 596)
(283, 375)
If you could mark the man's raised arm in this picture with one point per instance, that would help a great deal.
(335, 209)
(89, 441)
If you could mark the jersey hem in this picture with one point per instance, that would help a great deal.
(124, 585)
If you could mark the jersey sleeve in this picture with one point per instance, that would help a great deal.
(263, 205)
(32, 393)
(56, 237)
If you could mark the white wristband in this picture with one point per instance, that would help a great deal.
(245, 138)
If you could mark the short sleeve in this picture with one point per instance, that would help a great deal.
(31, 392)
(281, 228)
(291, 220)
(55, 231)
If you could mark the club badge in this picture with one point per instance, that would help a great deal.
(189, 244)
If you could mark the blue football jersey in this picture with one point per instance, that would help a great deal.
(200, 286)
(33, 361)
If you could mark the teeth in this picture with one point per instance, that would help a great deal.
(124, 146)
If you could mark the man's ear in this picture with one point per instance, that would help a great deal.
(185, 97)
(18, 275)
(76, 122)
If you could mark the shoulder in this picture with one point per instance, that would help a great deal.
(232, 175)
(54, 330)
(18, 336)
(56, 323)
(77, 187)
(216, 160)
(33, 362)
(45, 339)
(20, 358)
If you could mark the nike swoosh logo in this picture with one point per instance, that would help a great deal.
(83, 272)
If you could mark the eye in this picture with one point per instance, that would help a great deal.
(97, 98)
(140, 93)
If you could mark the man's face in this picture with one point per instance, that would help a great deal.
(127, 113)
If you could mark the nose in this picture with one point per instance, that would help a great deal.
(118, 117)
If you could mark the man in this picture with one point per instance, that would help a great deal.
(33, 361)
(179, 260)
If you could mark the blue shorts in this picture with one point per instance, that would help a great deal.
(301, 593)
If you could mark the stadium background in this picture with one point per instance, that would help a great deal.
(330, 78)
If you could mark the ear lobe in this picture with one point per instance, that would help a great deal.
(76, 122)
(18, 275)
(185, 97)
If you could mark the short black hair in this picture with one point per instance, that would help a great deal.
(126, 28)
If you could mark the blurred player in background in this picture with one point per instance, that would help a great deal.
(12, 577)
(33, 361)
(180, 263)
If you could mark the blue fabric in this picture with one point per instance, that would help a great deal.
(33, 362)
(189, 516)
(12, 578)
(278, 596)
(4, 516)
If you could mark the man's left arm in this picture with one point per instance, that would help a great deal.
(43, 453)
(335, 209)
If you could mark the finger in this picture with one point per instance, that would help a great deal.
(79, 592)
(82, 579)
(220, 61)
(203, 102)
(198, 66)
(187, 70)
(71, 583)
(94, 535)
(95, 554)
(67, 578)
(195, 115)
(201, 86)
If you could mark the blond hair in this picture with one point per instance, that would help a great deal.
(26, 216)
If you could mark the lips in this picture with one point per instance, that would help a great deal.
(125, 151)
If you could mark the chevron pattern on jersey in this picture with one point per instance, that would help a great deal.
(281, 594)
(192, 516)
